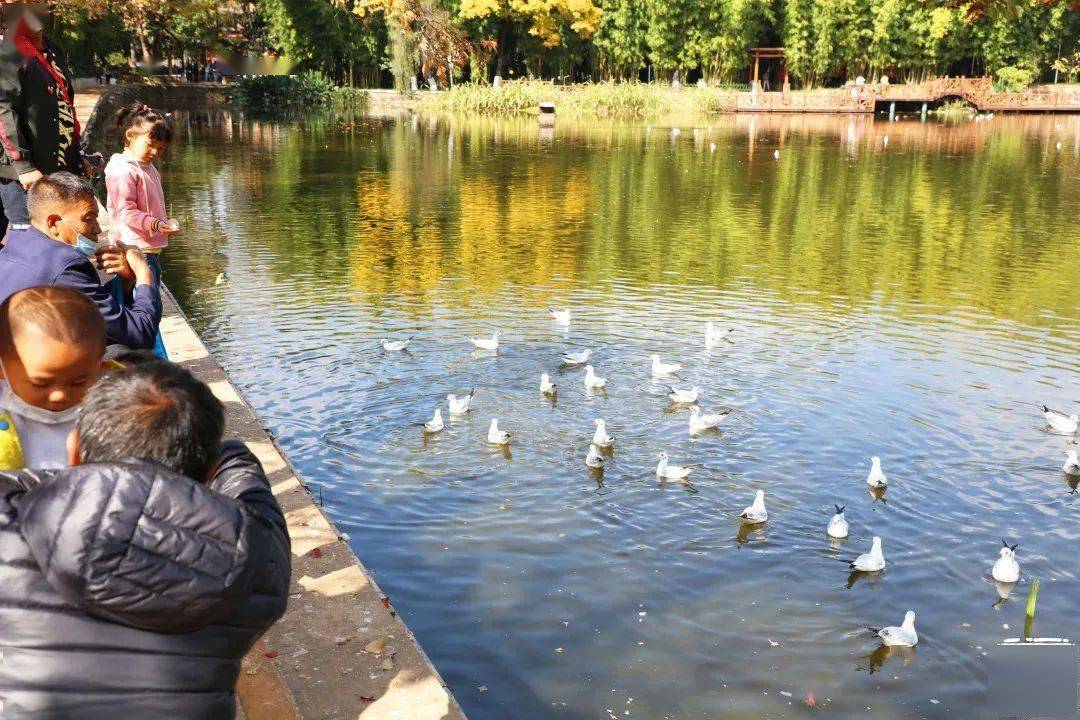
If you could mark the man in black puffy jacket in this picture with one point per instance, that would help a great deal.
(127, 588)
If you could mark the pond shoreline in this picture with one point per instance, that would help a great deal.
(341, 650)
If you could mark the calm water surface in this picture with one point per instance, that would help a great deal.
(905, 290)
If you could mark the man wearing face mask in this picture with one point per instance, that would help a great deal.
(39, 131)
(60, 247)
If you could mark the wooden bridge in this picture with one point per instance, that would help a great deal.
(866, 98)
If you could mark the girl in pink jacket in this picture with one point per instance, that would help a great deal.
(136, 200)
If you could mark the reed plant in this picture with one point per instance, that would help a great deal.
(605, 99)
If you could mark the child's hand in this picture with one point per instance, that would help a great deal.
(170, 226)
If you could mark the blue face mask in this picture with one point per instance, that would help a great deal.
(84, 244)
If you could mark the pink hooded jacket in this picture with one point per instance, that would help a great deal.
(136, 200)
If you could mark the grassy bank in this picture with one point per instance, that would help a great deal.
(600, 99)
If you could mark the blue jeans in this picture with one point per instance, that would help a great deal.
(14, 199)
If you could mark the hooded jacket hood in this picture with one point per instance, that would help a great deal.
(140, 545)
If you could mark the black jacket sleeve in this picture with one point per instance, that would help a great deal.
(240, 476)
(12, 138)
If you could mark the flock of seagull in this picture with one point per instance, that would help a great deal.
(1006, 569)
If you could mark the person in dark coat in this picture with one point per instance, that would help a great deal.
(39, 129)
(133, 582)
(60, 247)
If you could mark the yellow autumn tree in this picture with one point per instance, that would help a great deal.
(544, 17)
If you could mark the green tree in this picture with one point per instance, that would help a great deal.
(620, 38)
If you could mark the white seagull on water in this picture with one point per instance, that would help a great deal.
(873, 561)
(671, 472)
(460, 406)
(1072, 464)
(701, 423)
(686, 397)
(594, 459)
(903, 636)
(1061, 423)
(1006, 569)
(838, 525)
(435, 424)
(714, 335)
(592, 382)
(600, 438)
(576, 358)
(876, 478)
(395, 345)
(561, 317)
(662, 369)
(546, 386)
(496, 436)
(490, 344)
(756, 513)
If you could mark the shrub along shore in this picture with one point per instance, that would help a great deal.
(606, 99)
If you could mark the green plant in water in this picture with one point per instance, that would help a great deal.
(955, 109)
(277, 92)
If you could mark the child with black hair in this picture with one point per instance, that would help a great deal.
(136, 198)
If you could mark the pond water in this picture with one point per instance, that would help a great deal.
(906, 290)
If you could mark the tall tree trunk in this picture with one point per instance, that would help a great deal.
(506, 41)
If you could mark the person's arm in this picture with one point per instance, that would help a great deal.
(240, 476)
(16, 144)
(135, 326)
(124, 196)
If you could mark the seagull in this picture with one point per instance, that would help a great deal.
(671, 472)
(1006, 569)
(715, 336)
(497, 436)
(903, 636)
(435, 424)
(578, 358)
(660, 369)
(561, 317)
(460, 406)
(592, 382)
(489, 344)
(1072, 464)
(600, 438)
(838, 526)
(701, 423)
(221, 279)
(756, 513)
(395, 345)
(776, 154)
(594, 459)
(546, 386)
(876, 478)
(872, 561)
(1060, 422)
(686, 397)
